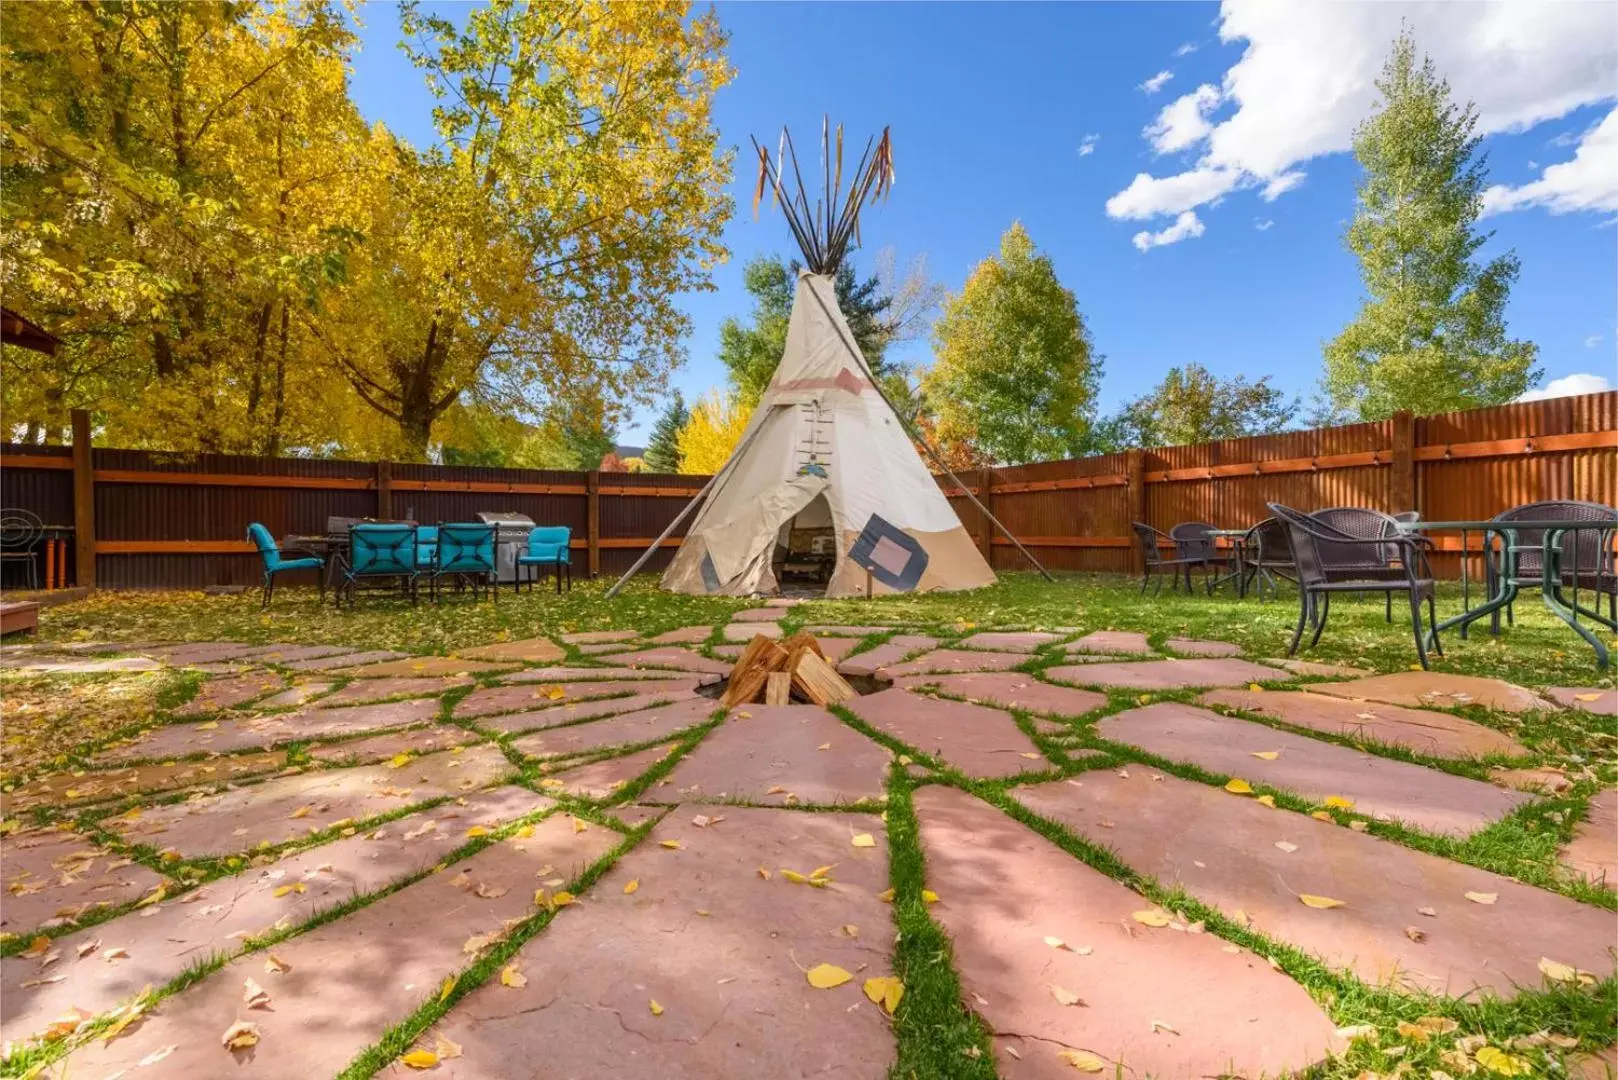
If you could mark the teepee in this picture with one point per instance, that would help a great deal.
(826, 478)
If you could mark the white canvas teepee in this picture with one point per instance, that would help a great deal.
(825, 454)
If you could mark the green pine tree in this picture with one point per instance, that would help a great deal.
(1431, 336)
(663, 451)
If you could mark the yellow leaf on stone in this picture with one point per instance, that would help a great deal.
(1501, 1062)
(510, 976)
(1557, 972)
(794, 877)
(928, 896)
(37, 947)
(579, 826)
(1484, 898)
(1323, 902)
(1239, 787)
(886, 991)
(1083, 1060)
(822, 871)
(240, 1036)
(826, 976)
(634, 884)
(1255, 688)
(1586, 697)
(1267, 755)
(1150, 917)
(302, 811)
(1321, 815)
(1144, 699)
(524, 833)
(673, 845)
(1339, 803)
(398, 761)
(445, 987)
(1064, 996)
(763, 873)
(562, 898)
(477, 830)
(1267, 800)
(886, 896)
(657, 1010)
(555, 693)
(863, 839)
(420, 1059)
(209, 726)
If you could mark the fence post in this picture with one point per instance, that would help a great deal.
(1403, 486)
(592, 517)
(384, 490)
(1135, 499)
(84, 503)
(985, 522)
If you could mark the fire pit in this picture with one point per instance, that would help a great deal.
(781, 672)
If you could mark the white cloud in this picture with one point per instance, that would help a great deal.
(1156, 82)
(1186, 226)
(1588, 182)
(1184, 121)
(1282, 184)
(1087, 145)
(1592, 341)
(1262, 224)
(1147, 196)
(1306, 78)
(1568, 385)
(1187, 49)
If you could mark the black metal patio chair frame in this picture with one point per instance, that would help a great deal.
(1150, 541)
(1521, 562)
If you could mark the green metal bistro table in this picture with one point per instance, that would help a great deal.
(1558, 585)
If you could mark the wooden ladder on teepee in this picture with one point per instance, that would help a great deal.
(814, 451)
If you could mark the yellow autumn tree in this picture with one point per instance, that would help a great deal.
(709, 437)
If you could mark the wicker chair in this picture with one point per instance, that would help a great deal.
(1151, 543)
(1268, 547)
(1522, 563)
(1365, 561)
(1331, 560)
(1194, 545)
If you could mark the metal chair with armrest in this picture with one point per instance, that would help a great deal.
(1522, 561)
(382, 554)
(547, 546)
(463, 553)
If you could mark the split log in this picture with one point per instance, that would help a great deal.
(778, 688)
(747, 678)
(818, 681)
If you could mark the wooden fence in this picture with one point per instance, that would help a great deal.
(141, 519)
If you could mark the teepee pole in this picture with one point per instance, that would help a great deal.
(927, 446)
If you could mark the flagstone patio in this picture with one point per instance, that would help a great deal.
(497, 862)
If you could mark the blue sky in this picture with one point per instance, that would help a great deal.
(990, 105)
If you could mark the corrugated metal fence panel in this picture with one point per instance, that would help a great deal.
(46, 492)
(642, 517)
(1065, 514)
(433, 507)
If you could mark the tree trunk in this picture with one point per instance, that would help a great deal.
(274, 446)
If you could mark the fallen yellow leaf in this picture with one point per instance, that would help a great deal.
(1267, 800)
(863, 839)
(826, 976)
(1083, 1060)
(928, 896)
(886, 991)
(1239, 787)
(445, 987)
(1557, 972)
(420, 1059)
(673, 845)
(579, 826)
(632, 886)
(763, 873)
(1323, 902)
(657, 1010)
(886, 896)
(1266, 755)
(399, 761)
(510, 976)
(1586, 697)
(37, 947)
(1501, 1062)
(1321, 815)
(1151, 917)
(477, 830)
(1484, 898)
(1064, 996)
(1339, 803)
(1255, 687)
(240, 1036)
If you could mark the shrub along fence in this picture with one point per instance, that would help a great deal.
(142, 519)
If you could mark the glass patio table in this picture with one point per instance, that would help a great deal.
(1235, 541)
(1555, 579)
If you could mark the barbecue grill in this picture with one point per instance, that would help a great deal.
(510, 540)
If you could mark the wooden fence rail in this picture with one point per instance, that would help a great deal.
(142, 519)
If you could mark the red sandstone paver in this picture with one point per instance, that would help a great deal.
(365, 690)
(556, 715)
(565, 674)
(729, 652)
(627, 729)
(242, 818)
(886, 654)
(291, 653)
(425, 666)
(1599, 1066)
(530, 650)
(1110, 641)
(762, 614)
(163, 940)
(346, 660)
(1380, 787)
(173, 740)
(67, 665)
(1011, 690)
(83, 788)
(977, 740)
(596, 637)
(1439, 689)
(1542, 779)
(216, 694)
(1004, 889)
(1603, 702)
(1593, 851)
(602, 648)
(1422, 730)
(296, 694)
(1196, 647)
(1021, 641)
(779, 754)
(848, 631)
(1168, 674)
(1315, 668)
(953, 660)
(672, 656)
(200, 652)
(52, 874)
(392, 743)
(685, 635)
(602, 779)
(835, 648)
(1221, 849)
(730, 981)
(496, 699)
(747, 631)
(380, 963)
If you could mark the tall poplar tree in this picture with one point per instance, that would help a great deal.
(1431, 335)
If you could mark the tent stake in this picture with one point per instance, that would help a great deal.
(925, 445)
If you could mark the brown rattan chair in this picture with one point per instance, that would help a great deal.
(1152, 543)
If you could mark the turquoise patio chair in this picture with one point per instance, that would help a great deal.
(276, 563)
(463, 553)
(547, 546)
(380, 554)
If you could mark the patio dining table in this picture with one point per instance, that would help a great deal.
(326, 545)
(1235, 541)
(1554, 578)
